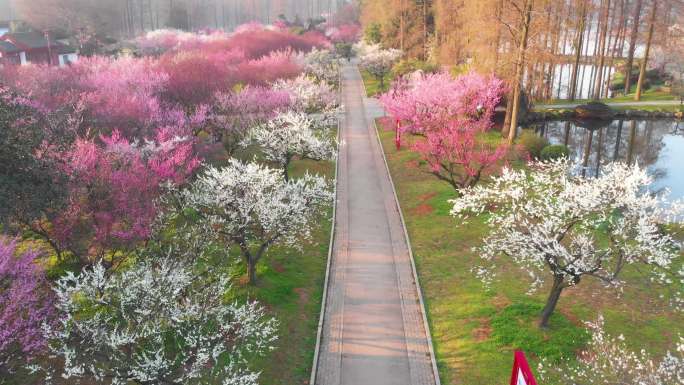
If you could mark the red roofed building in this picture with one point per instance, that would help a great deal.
(34, 47)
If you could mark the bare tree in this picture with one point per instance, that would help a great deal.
(579, 43)
(526, 14)
(602, 50)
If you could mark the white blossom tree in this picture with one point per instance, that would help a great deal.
(317, 99)
(156, 322)
(378, 62)
(556, 225)
(288, 135)
(254, 207)
(607, 361)
(323, 65)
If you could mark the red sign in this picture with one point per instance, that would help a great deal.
(522, 375)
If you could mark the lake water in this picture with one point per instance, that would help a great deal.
(585, 87)
(655, 144)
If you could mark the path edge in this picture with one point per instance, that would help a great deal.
(419, 288)
(321, 317)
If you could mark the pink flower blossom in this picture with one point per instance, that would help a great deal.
(25, 304)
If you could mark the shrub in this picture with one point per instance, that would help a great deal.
(408, 66)
(554, 151)
(532, 143)
(344, 50)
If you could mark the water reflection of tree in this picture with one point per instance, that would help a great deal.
(594, 146)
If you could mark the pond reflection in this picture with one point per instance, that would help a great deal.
(655, 144)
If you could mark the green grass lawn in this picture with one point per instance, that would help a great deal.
(475, 330)
(373, 85)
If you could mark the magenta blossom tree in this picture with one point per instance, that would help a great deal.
(112, 188)
(26, 303)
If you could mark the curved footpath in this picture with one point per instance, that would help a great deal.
(374, 330)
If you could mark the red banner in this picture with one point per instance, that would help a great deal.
(522, 375)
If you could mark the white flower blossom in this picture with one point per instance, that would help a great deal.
(323, 65)
(607, 361)
(317, 99)
(291, 134)
(377, 61)
(155, 322)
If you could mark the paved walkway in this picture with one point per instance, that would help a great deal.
(615, 104)
(373, 331)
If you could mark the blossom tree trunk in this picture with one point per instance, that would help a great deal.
(552, 300)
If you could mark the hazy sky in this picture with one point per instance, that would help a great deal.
(5, 11)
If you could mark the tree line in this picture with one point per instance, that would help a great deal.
(535, 44)
(132, 17)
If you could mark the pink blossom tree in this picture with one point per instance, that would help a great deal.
(346, 33)
(25, 304)
(450, 114)
(432, 101)
(457, 156)
(195, 76)
(266, 69)
(259, 43)
(133, 96)
(122, 94)
(236, 112)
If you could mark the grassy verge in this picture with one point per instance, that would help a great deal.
(474, 330)
(373, 85)
(661, 108)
